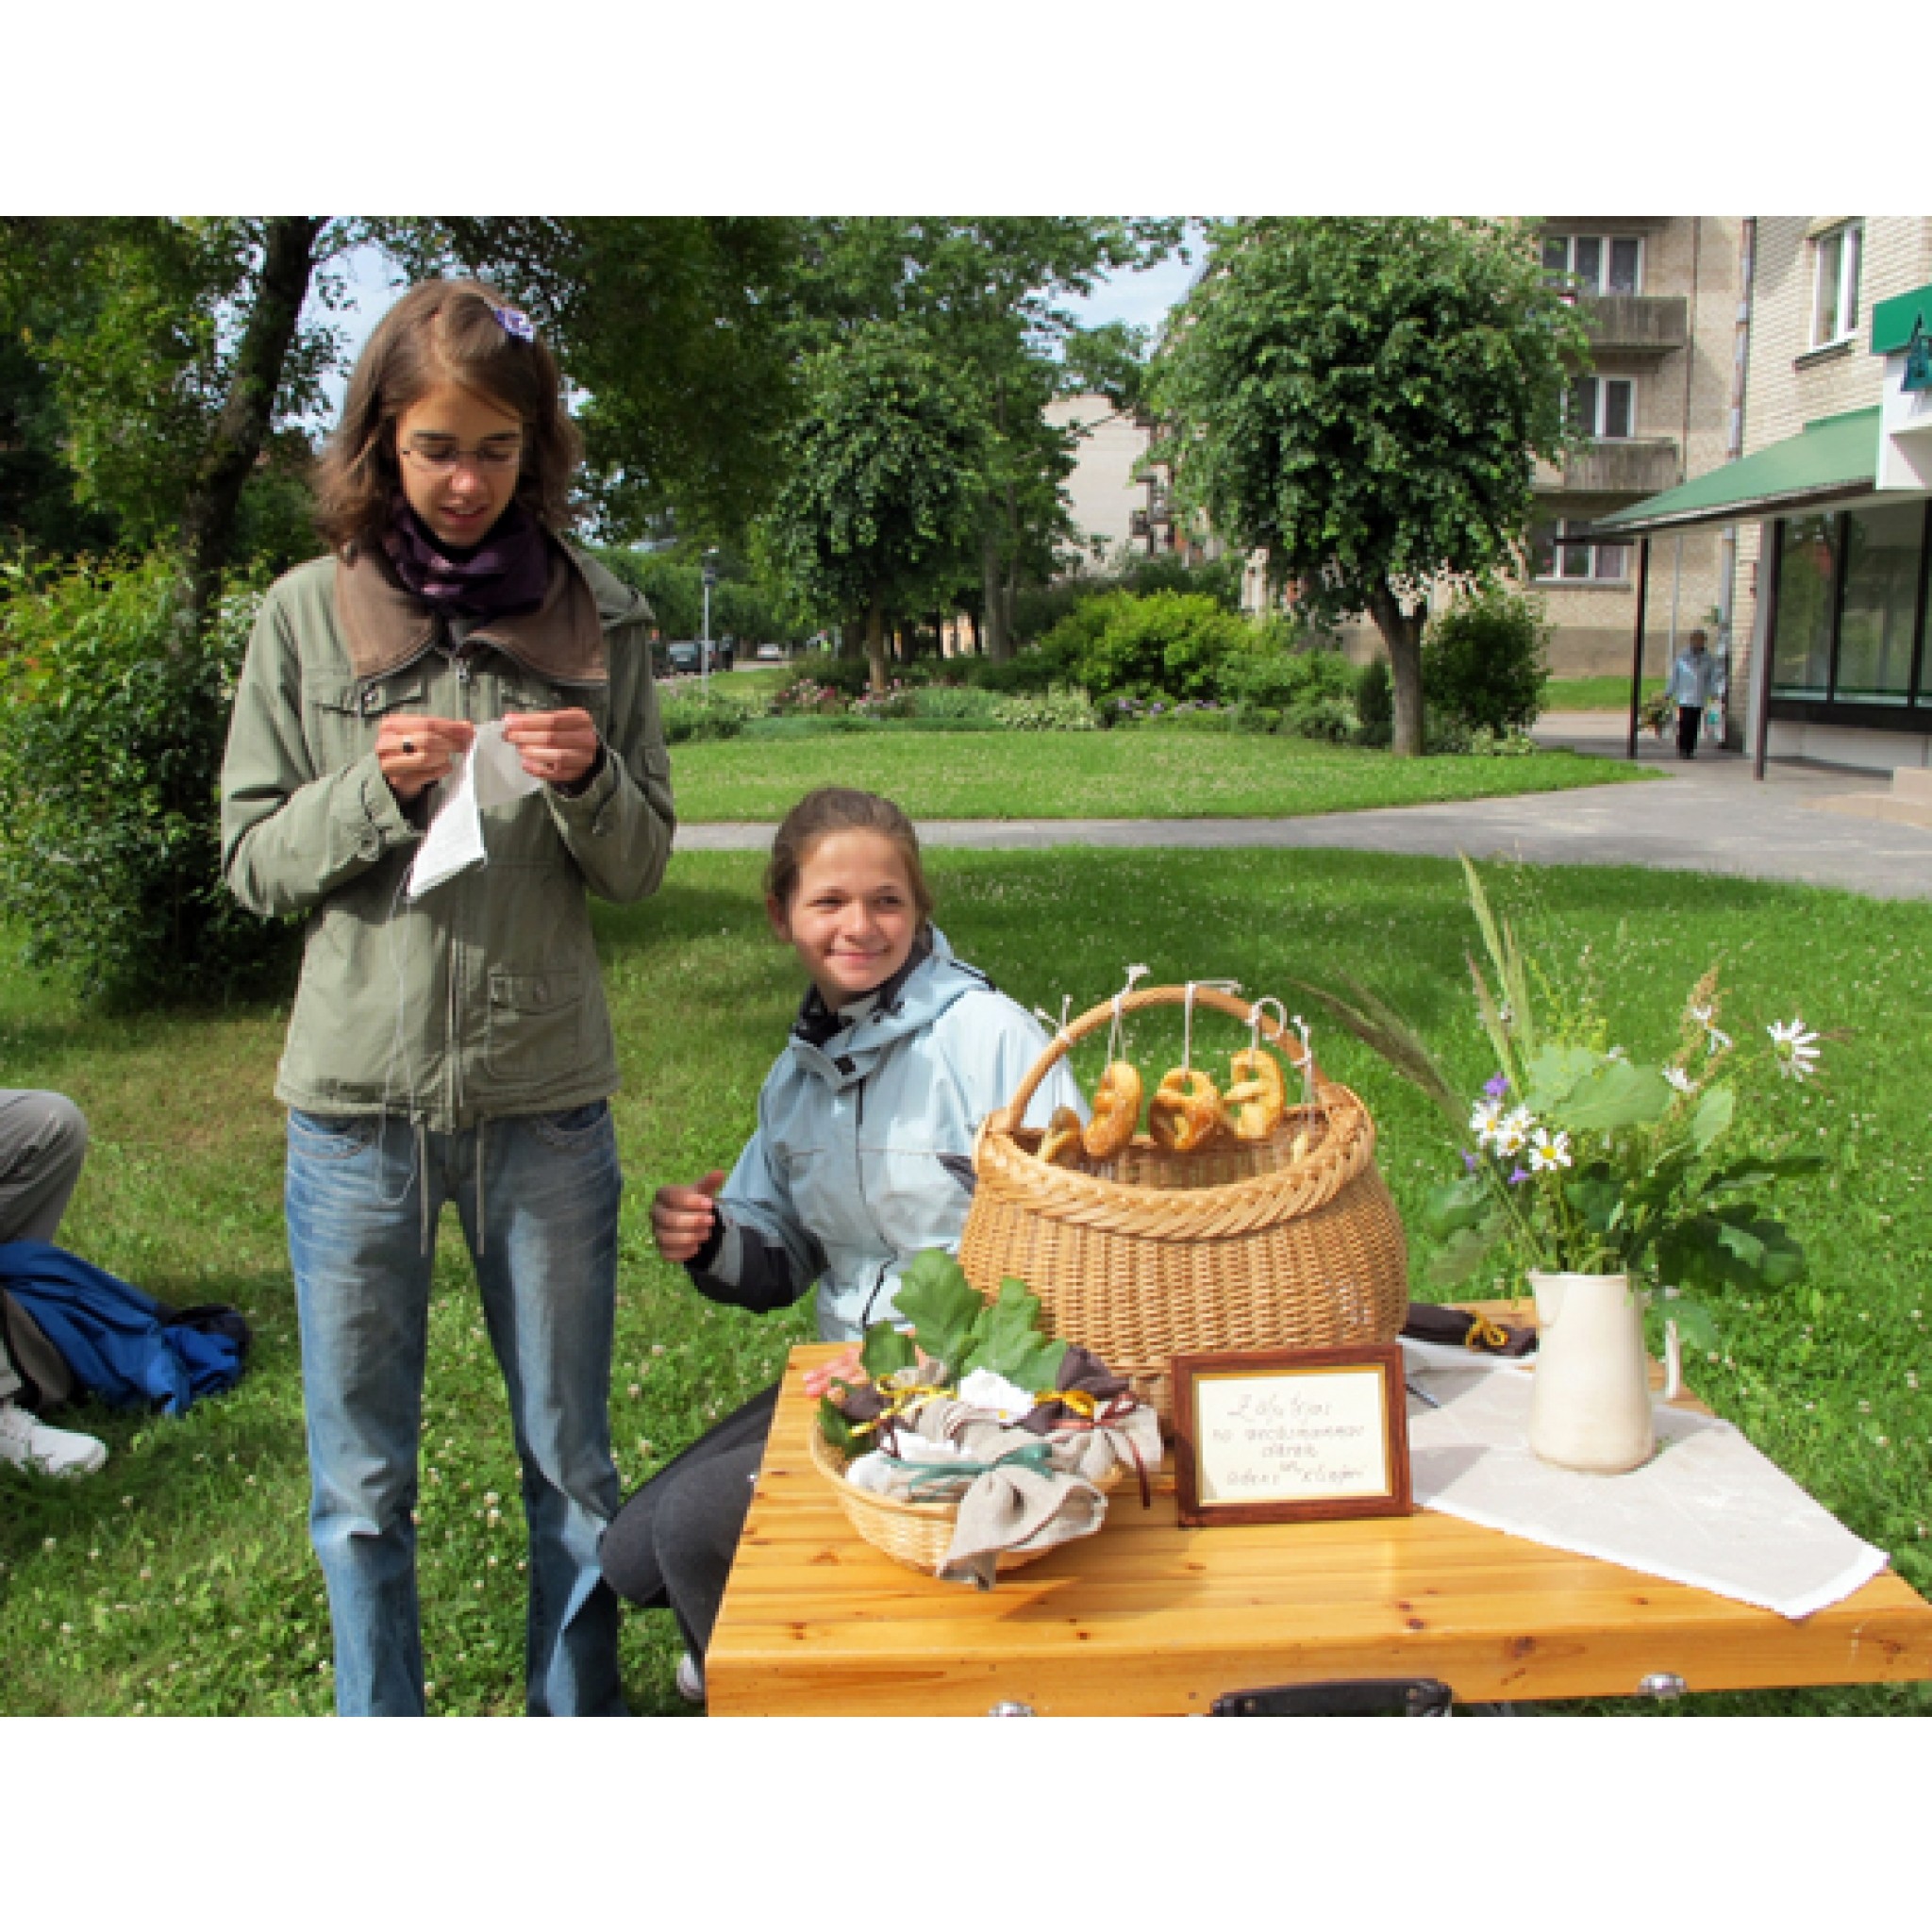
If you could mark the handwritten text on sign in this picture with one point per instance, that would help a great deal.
(1303, 1435)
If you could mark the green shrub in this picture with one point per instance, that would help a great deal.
(1329, 716)
(1122, 646)
(1485, 660)
(956, 701)
(113, 722)
(1060, 708)
(1277, 681)
(691, 714)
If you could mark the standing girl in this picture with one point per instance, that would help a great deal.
(863, 1156)
(452, 1046)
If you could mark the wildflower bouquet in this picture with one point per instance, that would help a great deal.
(1587, 1161)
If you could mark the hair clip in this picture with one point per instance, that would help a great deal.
(515, 323)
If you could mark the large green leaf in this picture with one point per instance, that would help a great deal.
(1461, 1254)
(936, 1297)
(1619, 1094)
(1012, 1345)
(1554, 1074)
(1711, 1117)
(1457, 1205)
(886, 1351)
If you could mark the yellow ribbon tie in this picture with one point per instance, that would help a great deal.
(1078, 1400)
(1484, 1333)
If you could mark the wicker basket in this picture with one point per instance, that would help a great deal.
(916, 1534)
(1237, 1246)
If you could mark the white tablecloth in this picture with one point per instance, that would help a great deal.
(1707, 1509)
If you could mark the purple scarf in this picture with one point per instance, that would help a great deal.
(502, 576)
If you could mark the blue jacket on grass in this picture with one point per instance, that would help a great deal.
(121, 1345)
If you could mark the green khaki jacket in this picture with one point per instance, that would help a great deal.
(483, 997)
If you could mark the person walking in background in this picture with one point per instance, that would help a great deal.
(42, 1145)
(1696, 678)
(449, 1041)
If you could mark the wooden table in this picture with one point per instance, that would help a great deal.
(1147, 1618)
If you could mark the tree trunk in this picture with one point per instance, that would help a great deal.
(1404, 636)
(875, 644)
(851, 638)
(241, 431)
(998, 639)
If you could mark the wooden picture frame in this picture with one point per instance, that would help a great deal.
(1293, 1435)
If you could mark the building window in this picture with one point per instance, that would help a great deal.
(1835, 256)
(1601, 406)
(1595, 264)
(1851, 606)
(1561, 553)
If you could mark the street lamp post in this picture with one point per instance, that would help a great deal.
(704, 642)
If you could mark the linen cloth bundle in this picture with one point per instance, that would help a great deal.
(1016, 1489)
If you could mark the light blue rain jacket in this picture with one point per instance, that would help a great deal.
(863, 1153)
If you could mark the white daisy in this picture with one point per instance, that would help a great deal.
(1512, 1130)
(1483, 1119)
(1680, 1080)
(1796, 1047)
(1547, 1151)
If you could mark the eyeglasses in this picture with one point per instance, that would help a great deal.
(440, 454)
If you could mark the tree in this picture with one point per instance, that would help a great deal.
(1364, 399)
(885, 481)
(988, 295)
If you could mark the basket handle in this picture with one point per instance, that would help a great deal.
(1246, 1011)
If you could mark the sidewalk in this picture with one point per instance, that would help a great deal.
(1708, 815)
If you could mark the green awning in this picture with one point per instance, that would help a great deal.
(1836, 456)
(1892, 321)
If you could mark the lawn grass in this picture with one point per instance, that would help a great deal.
(1611, 693)
(179, 1579)
(1128, 774)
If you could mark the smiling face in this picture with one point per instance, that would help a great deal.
(459, 502)
(853, 918)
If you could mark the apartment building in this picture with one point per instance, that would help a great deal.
(1658, 297)
(1830, 493)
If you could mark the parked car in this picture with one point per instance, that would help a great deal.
(770, 653)
(691, 654)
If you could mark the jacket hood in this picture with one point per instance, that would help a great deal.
(934, 983)
(563, 639)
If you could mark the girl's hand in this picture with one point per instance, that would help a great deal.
(560, 747)
(414, 752)
(682, 1218)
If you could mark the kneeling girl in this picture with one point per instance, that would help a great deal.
(862, 1158)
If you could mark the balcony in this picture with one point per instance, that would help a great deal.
(1636, 325)
(1633, 468)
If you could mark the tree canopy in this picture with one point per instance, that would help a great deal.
(1364, 400)
(885, 479)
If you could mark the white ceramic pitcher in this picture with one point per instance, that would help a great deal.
(1589, 1398)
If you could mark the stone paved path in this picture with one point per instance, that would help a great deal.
(1710, 815)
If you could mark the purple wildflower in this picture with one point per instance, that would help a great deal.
(1516, 1175)
(1470, 1163)
(1496, 1086)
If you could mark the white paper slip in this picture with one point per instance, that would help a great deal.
(1707, 1509)
(489, 773)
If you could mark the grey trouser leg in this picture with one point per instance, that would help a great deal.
(672, 1544)
(43, 1144)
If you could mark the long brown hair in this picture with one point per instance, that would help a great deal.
(839, 808)
(443, 331)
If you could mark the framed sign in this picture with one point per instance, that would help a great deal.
(1290, 1435)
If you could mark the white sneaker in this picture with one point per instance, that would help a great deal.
(690, 1679)
(28, 1443)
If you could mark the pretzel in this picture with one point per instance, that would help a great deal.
(1116, 1111)
(1258, 1097)
(1061, 1140)
(1186, 1112)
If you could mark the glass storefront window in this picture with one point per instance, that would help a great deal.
(1882, 553)
(1807, 594)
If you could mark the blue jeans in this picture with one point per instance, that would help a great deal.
(537, 1198)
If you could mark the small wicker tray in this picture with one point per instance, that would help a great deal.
(916, 1534)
